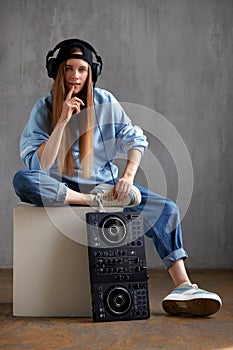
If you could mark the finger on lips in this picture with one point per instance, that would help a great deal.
(69, 95)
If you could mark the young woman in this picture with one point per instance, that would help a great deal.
(69, 145)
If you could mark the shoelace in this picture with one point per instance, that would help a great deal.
(183, 285)
(101, 206)
(195, 286)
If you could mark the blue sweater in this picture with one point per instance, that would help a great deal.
(119, 136)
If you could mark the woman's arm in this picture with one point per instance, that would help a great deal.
(123, 185)
(48, 151)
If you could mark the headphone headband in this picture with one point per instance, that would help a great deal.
(64, 47)
(72, 42)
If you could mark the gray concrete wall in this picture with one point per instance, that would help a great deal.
(173, 56)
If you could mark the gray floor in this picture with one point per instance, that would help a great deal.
(161, 331)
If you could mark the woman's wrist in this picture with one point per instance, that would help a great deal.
(128, 176)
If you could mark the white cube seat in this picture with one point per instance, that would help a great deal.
(50, 262)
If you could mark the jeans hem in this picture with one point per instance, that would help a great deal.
(177, 254)
(61, 194)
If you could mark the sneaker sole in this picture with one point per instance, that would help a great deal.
(196, 307)
(137, 196)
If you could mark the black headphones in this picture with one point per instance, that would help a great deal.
(64, 47)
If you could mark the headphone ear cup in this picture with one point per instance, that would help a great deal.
(96, 70)
(51, 68)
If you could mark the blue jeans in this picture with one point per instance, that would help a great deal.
(160, 215)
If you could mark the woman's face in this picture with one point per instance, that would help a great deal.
(76, 73)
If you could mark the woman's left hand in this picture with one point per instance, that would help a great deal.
(122, 187)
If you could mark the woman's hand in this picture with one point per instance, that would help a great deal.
(123, 185)
(71, 104)
(122, 188)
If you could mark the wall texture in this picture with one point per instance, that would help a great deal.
(174, 57)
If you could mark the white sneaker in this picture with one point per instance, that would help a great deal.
(103, 197)
(189, 300)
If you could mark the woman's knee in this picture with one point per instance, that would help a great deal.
(19, 180)
(27, 186)
(172, 207)
(25, 181)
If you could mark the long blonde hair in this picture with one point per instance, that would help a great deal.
(65, 154)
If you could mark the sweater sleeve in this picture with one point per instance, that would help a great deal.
(128, 135)
(116, 124)
(36, 132)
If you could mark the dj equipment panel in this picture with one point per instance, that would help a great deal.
(117, 264)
